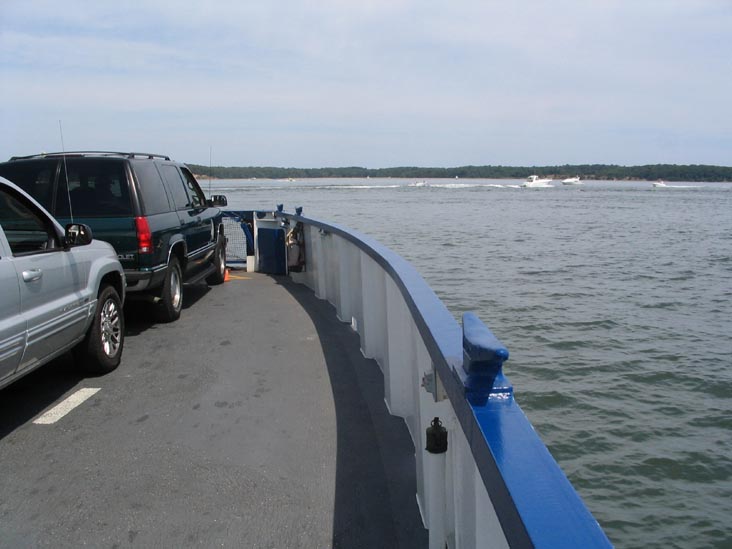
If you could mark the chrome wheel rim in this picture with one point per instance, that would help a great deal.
(175, 290)
(222, 263)
(111, 328)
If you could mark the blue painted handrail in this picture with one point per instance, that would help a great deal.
(535, 503)
(483, 358)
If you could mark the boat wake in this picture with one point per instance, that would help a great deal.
(421, 184)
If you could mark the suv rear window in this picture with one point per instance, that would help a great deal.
(154, 198)
(176, 186)
(35, 178)
(97, 188)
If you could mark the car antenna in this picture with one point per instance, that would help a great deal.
(66, 171)
(209, 170)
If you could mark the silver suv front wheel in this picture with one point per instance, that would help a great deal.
(111, 327)
(101, 350)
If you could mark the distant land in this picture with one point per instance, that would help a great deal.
(653, 172)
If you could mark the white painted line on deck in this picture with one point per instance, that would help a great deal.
(64, 407)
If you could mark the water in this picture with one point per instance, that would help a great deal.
(614, 301)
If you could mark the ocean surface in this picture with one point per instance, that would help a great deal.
(614, 300)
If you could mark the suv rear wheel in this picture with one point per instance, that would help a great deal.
(220, 262)
(101, 350)
(171, 298)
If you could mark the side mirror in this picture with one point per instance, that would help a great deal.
(77, 234)
(218, 200)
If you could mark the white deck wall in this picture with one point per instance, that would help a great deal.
(452, 498)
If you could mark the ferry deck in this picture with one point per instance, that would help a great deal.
(342, 406)
(253, 421)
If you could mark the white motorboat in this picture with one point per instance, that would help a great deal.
(659, 183)
(572, 181)
(534, 181)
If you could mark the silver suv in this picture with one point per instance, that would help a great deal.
(59, 291)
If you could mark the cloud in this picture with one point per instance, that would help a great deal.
(440, 73)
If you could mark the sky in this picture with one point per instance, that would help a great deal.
(373, 83)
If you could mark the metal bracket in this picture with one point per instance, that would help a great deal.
(432, 384)
(428, 382)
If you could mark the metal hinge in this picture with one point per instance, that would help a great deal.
(432, 384)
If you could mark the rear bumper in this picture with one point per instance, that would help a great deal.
(140, 281)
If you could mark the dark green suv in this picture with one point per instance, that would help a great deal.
(149, 208)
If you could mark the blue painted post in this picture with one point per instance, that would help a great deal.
(483, 358)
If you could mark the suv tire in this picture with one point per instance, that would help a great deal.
(100, 351)
(220, 262)
(171, 298)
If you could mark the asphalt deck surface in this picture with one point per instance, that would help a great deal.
(252, 421)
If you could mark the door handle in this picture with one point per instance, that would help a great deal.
(31, 275)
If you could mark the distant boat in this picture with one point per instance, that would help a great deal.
(659, 183)
(572, 181)
(534, 182)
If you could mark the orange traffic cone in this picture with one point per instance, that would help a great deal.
(226, 275)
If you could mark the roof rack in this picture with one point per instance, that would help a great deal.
(148, 155)
(92, 153)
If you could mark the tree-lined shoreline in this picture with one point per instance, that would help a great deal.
(651, 172)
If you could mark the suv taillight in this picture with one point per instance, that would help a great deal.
(144, 236)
